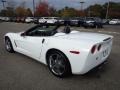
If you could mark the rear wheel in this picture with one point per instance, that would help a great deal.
(58, 64)
(8, 45)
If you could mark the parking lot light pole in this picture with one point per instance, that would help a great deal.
(82, 2)
(3, 1)
(33, 8)
(107, 12)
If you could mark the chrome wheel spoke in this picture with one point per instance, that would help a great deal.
(54, 66)
(57, 64)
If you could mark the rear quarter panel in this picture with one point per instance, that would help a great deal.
(67, 45)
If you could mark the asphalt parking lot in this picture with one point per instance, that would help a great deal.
(18, 72)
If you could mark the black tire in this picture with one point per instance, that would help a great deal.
(58, 64)
(8, 45)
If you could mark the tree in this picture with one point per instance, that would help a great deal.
(81, 13)
(10, 9)
(29, 12)
(67, 12)
(114, 10)
(10, 12)
(3, 12)
(21, 10)
(95, 10)
(100, 10)
(52, 11)
(42, 9)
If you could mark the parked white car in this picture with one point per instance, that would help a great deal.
(4, 19)
(62, 50)
(52, 20)
(29, 19)
(114, 21)
(43, 20)
(48, 20)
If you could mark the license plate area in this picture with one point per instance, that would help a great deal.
(105, 52)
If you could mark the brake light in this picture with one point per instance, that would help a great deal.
(75, 52)
(99, 47)
(93, 49)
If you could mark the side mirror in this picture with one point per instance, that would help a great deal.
(23, 34)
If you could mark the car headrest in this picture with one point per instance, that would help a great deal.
(67, 30)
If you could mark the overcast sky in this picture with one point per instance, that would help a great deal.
(62, 3)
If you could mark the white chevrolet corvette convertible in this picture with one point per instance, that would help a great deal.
(64, 51)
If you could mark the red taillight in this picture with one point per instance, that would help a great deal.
(99, 47)
(93, 49)
(75, 52)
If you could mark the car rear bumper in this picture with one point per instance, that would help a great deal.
(82, 66)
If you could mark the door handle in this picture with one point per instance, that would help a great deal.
(43, 41)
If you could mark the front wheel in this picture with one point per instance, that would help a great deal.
(8, 45)
(58, 64)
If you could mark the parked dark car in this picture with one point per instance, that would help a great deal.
(13, 19)
(66, 21)
(36, 20)
(92, 22)
(77, 21)
(74, 21)
(60, 21)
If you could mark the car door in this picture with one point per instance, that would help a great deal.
(30, 45)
